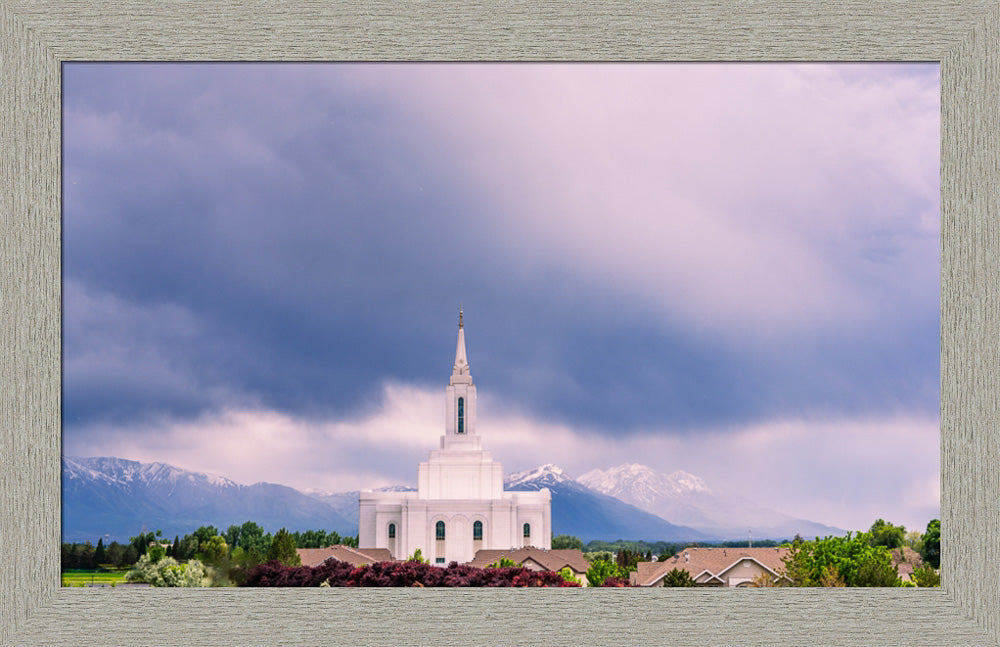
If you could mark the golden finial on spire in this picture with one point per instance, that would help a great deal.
(459, 314)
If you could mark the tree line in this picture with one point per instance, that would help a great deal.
(206, 543)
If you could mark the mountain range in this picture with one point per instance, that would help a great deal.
(117, 498)
(686, 499)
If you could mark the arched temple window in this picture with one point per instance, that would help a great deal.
(527, 530)
(461, 415)
(392, 531)
(477, 531)
(439, 530)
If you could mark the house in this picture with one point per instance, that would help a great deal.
(353, 556)
(538, 559)
(715, 566)
(460, 506)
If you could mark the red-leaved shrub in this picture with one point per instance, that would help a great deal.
(337, 573)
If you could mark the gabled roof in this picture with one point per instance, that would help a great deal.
(353, 556)
(550, 560)
(715, 560)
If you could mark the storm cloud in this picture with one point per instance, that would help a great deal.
(645, 253)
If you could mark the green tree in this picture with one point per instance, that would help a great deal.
(214, 551)
(931, 548)
(129, 555)
(925, 576)
(100, 554)
(885, 534)
(156, 552)
(601, 570)
(678, 577)
(116, 554)
(417, 557)
(852, 560)
(204, 533)
(83, 555)
(505, 562)
(562, 542)
(141, 542)
(283, 549)
(567, 574)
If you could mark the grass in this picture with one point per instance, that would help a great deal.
(83, 578)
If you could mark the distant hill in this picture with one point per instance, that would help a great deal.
(588, 514)
(117, 497)
(686, 499)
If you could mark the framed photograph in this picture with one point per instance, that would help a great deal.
(36, 41)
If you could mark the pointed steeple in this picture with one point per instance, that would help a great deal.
(461, 366)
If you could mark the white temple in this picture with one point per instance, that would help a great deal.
(460, 505)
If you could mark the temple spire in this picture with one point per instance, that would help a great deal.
(461, 366)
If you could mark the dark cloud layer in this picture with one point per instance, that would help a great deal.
(292, 237)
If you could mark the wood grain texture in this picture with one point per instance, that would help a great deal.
(35, 37)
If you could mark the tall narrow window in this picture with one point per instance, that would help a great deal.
(439, 530)
(392, 531)
(527, 531)
(477, 531)
(461, 415)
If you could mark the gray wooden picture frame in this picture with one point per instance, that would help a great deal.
(36, 37)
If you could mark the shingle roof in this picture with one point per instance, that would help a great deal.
(715, 560)
(551, 560)
(353, 556)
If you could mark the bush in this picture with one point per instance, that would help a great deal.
(335, 573)
(167, 572)
(925, 576)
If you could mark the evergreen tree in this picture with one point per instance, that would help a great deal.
(100, 555)
(566, 541)
(678, 577)
(116, 554)
(283, 549)
(931, 545)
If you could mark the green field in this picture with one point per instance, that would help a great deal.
(84, 578)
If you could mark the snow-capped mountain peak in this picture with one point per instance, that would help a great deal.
(123, 471)
(643, 485)
(543, 475)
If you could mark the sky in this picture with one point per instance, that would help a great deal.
(726, 269)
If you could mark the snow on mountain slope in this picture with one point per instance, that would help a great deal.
(118, 497)
(684, 498)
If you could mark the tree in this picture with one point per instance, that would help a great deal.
(129, 556)
(214, 551)
(678, 577)
(156, 552)
(505, 562)
(601, 570)
(83, 555)
(931, 548)
(885, 534)
(925, 576)
(204, 533)
(562, 542)
(141, 542)
(567, 574)
(283, 549)
(116, 554)
(417, 557)
(852, 560)
(100, 555)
